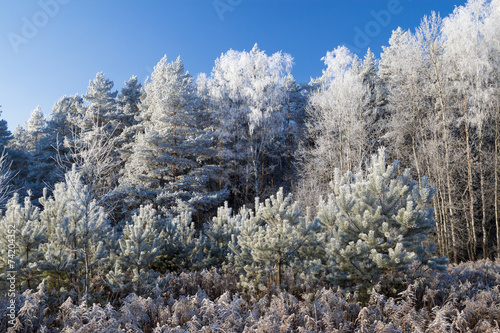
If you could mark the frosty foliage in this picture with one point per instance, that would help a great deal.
(463, 298)
(76, 227)
(6, 175)
(376, 223)
(270, 239)
(249, 93)
(170, 162)
(115, 216)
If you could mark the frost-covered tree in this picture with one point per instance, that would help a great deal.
(128, 104)
(20, 140)
(404, 71)
(376, 223)
(45, 155)
(338, 121)
(249, 92)
(76, 230)
(140, 245)
(26, 140)
(218, 233)
(51, 157)
(470, 45)
(5, 134)
(22, 232)
(92, 141)
(6, 175)
(181, 248)
(36, 126)
(374, 109)
(271, 239)
(101, 111)
(170, 161)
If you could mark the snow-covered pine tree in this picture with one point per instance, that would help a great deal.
(181, 249)
(6, 175)
(26, 140)
(36, 127)
(76, 229)
(376, 224)
(128, 104)
(141, 243)
(20, 140)
(5, 134)
(271, 239)
(169, 165)
(101, 110)
(373, 109)
(21, 227)
(217, 235)
(51, 158)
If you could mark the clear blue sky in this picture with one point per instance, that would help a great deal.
(51, 48)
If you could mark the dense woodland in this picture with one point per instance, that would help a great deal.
(368, 179)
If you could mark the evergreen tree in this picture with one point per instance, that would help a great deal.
(20, 141)
(22, 232)
(272, 238)
(6, 176)
(181, 249)
(140, 245)
(5, 134)
(128, 101)
(169, 165)
(76, 230)
(101, 111)
(36, 127)
(51, 157)
(218, 233)
(373, 110)
(376, 224)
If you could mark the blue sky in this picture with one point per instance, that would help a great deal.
(52, 48)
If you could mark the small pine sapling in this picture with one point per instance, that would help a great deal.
(376, 224)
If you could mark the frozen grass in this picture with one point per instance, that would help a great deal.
(466, 298)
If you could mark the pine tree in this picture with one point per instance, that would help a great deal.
(170, 161)
(21, 227)
(217, 235)
(51, 157)
(20, 140)
(376, 224)
(181, 249)
(101, 110)
(141, 243)
(76, 229)
(271, 239)
(6, 176)
(36, 126)
(128, 101)
(374, 108)
(5, 134)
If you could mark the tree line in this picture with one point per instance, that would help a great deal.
(183, 146)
